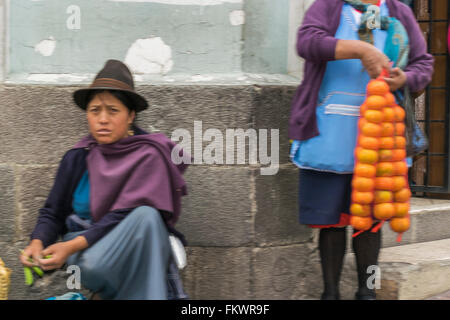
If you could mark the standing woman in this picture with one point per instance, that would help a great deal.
(116, 196)
(342, 52)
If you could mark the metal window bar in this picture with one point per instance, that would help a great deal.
(427, 186)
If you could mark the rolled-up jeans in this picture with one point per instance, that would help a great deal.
(130, 262)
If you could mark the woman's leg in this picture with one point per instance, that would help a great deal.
(332, 245)
(131, 261)
(366, 247)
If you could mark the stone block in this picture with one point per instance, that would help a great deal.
(431, 226)
(288, 273)
(272, 111)
(39, 124)
(7, 203)
(218, 208)
(217, 273)
(415, 271)
(178, 106)
(276, 221)
(34, 184)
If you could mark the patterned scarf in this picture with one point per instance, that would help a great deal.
(397, 41)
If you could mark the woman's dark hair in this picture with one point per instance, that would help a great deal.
(123, 97)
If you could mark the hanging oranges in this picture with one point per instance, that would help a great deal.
(380, 187)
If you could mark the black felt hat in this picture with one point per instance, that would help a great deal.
(115, 75)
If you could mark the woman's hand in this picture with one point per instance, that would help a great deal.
(33, 251)
(397, 79)
(61, 251)
(374, 61)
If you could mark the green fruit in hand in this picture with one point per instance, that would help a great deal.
(38, 271)
(28, 276)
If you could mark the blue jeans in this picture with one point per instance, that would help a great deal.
(130, 262)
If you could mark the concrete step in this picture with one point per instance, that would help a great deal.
(430, 219)
(442, 296)
(415, 271)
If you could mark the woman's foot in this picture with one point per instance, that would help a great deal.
(365, 295)
(330, 296)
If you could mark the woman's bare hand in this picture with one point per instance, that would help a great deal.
(397, 79)
(33, 251)
(59, 253)
(374, 61)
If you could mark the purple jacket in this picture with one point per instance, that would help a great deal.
(316, 44)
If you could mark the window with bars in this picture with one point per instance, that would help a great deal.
(430, 172)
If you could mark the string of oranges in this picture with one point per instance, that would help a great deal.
(380, 188)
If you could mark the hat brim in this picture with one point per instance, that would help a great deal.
(139, 102)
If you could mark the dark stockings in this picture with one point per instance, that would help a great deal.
(332, 244)
(332, 247)
(366, 247)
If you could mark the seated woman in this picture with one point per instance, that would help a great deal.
(115, 197)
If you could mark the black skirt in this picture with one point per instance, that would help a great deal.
(323, 196)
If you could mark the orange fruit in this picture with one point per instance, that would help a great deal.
(369, 142)
(387, 129)
(386, 142)
(362, 109)
(361, 223)
(398, 154)
(383, 196)
(399, 129)
(400, 168)
(384, 183)
(371, 129)
(385, 169)
(375, 102)
(403, 195)
(377, 87)
(373, 116)
(385, 154)
(383, 211)
(361, 123)
(365, 170)
(401, 209)
(367, 155)
(390, 99)
(400, 142)
(399, 183)
(399, 113)
(400, 224)
(388, 114)
(362, 184)
(360, 210)
(362, 197)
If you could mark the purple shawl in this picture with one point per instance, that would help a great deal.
(316, 44)
(132, 172)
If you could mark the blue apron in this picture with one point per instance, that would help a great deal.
(341, 94)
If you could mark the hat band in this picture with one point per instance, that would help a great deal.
(108, 82)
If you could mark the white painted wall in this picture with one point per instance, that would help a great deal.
(3, 40)
(185, 2)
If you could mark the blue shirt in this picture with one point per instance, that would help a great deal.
(81, 198)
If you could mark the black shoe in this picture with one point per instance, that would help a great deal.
(330, 296)
(365, 296)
